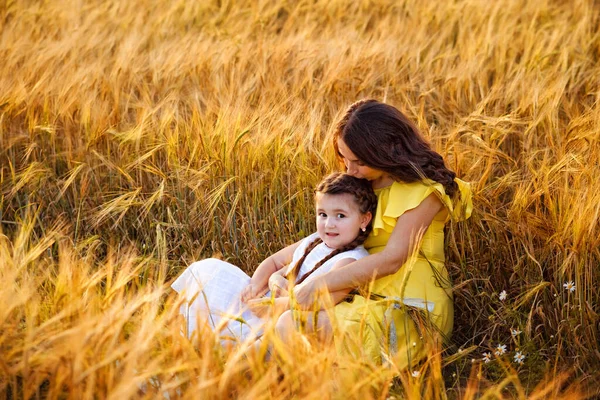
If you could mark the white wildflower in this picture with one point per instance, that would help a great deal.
(416, 374)
(570, 286)
(500, 349)
(515, 332)
(519, 357)
(487, 357)
(502, 295)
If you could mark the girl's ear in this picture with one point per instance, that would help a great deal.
(366, 218)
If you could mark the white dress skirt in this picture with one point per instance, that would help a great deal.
(212, 291)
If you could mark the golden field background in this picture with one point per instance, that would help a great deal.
(139, 136)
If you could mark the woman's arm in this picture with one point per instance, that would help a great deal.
(259, 281)
(337, 295)
(409, 228)
(277, 306)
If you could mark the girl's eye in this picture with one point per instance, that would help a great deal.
(341, 216)
(322, 215)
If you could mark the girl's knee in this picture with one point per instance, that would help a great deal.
(284, 322)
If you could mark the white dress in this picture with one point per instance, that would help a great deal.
(212, 291)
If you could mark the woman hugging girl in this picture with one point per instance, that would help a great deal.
(396, 198)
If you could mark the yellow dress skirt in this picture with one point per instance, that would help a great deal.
(402, 312)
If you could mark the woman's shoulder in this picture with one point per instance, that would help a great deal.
(399, 197)
(419, 190)
(399, 188)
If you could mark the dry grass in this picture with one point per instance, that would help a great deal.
(138, 136)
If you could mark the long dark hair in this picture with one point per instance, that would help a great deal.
(384, 139)
(365, 198)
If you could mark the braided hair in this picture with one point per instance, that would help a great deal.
(365, 198)
(385, 139)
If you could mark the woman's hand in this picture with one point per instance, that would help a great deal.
(307, 293)
(278, 285)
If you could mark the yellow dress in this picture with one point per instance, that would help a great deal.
(378, 327)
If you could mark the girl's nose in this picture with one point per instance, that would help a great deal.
(329, 223)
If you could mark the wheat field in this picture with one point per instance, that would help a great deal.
(139, 136)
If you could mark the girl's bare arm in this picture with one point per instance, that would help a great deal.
(272, 264)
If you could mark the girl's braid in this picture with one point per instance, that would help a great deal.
(360, 239)
(291, 275)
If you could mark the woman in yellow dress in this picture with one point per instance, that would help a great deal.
(404, 279)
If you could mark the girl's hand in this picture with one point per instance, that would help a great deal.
(307, 293)
(259, 307)
(278, 285)
(249, 292)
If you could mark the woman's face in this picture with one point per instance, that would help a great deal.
(357, 168)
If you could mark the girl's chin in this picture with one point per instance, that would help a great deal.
(334, 246)
(330, 244)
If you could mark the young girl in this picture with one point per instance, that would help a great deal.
(233, 304)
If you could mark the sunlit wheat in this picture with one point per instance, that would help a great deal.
(137, 137)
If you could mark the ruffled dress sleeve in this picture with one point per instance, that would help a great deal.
(401, 197)
(395, 200)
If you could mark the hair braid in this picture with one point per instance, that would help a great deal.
(293, 273)
(350, 246)
(436, 171)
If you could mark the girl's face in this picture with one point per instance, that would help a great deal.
(357, 168)
(339, 219)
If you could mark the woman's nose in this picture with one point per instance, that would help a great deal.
(351, 168)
